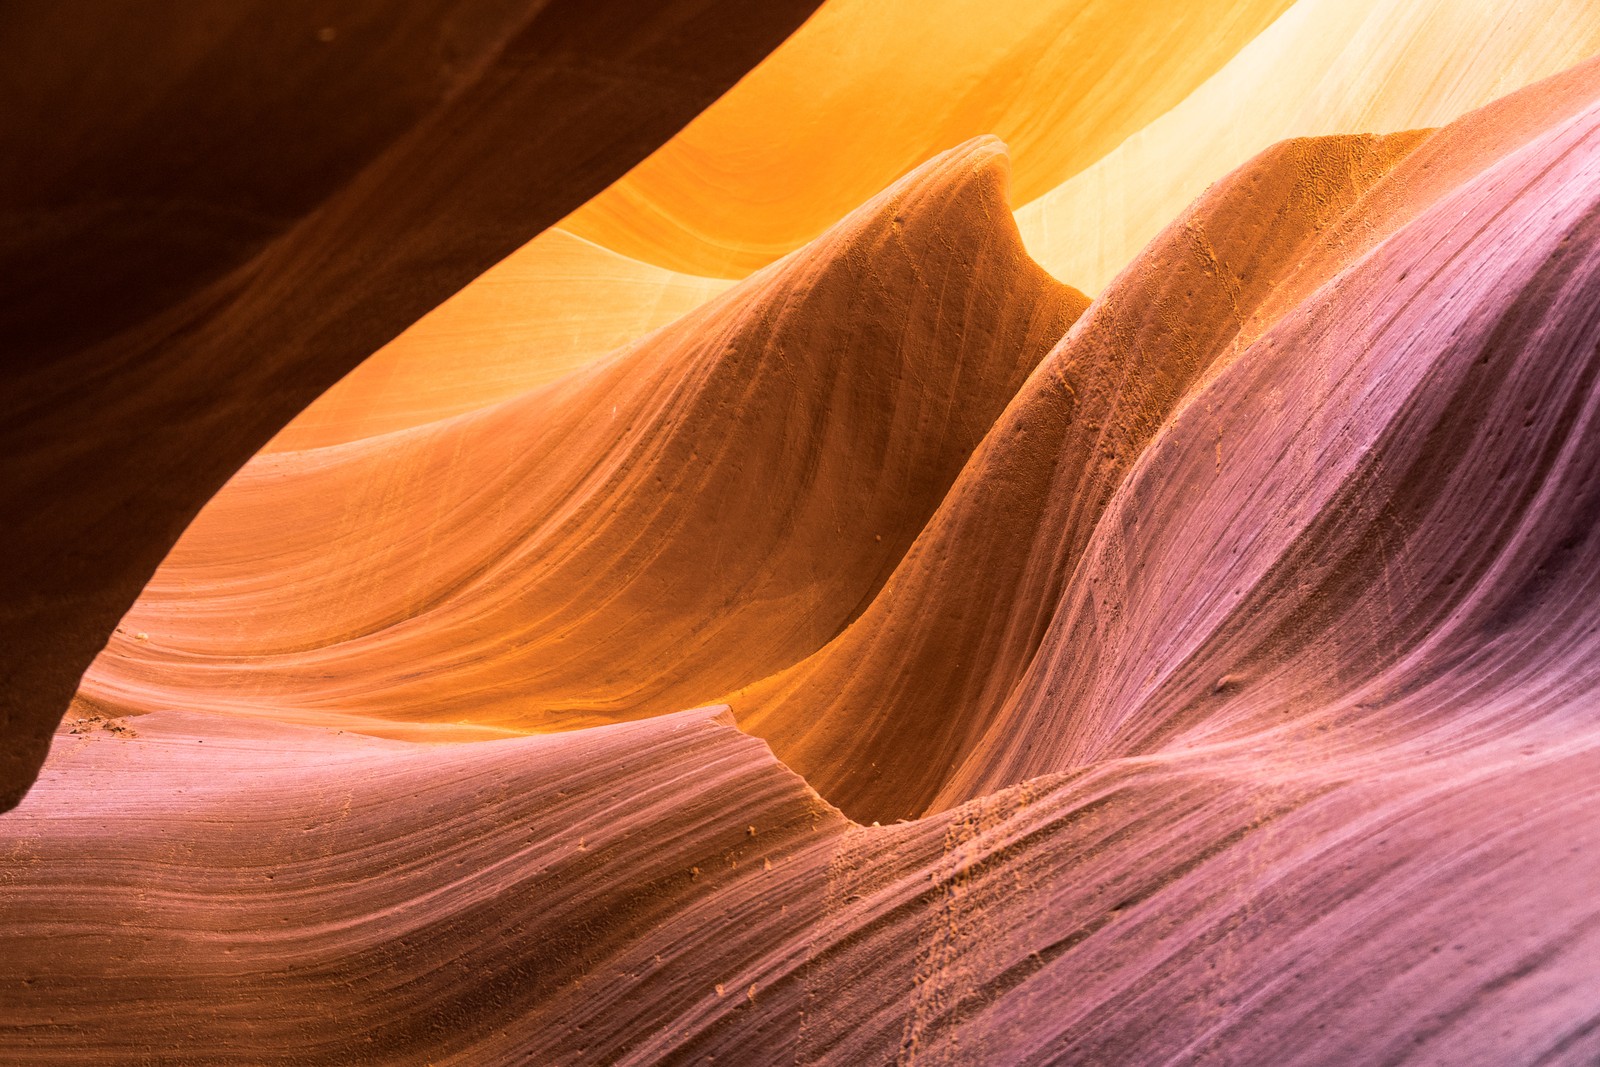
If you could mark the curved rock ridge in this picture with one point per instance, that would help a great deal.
(704, 508)
(878, 719)
(916, 704)
(1420, 497)
(556, 304)
(1323, 67)
(1235, 643)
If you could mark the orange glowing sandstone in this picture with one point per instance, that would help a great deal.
(1222, 661)
(705, 507)
(868, 89)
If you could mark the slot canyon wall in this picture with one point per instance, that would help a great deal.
(1020, 533)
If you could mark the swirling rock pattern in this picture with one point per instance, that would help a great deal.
(709, 506)
(1208, 675)
(941, 648)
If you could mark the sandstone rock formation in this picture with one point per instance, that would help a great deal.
(895, 657)
(704, 508)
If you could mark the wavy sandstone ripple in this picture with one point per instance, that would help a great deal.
(708, 506)
(878, 719)
(918, 693)
(1238, 664)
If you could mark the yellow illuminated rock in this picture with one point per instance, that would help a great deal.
(1324, 67)
(868, 89)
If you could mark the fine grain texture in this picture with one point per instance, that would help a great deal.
(705, 507)
(1207, 673)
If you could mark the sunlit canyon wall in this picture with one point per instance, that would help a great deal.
(1025, 533)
